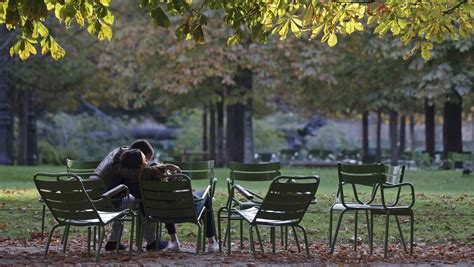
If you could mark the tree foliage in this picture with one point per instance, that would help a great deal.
(418, 23)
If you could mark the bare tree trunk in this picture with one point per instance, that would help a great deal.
(452, 127)
(212, 133)
(22, 127)
(220, 131)
(32, 144)
(235, 132)
(412, 133)
(365, 134)
(402, 134)
(379, 137)
(204, 130)
(430, 128)
(6, 112)
(393, 137)
(248, 137)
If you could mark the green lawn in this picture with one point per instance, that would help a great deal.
(443, 209)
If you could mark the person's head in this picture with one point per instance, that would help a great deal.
(132, 159)
(144, 146)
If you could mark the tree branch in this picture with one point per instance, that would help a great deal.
(449, 11)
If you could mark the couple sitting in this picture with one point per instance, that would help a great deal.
(125, 165)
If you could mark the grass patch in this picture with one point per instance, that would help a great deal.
(443, 209)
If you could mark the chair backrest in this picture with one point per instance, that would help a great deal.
(359, 175)
(196, 170)
(170, 201)
(287, 199)
(394, 174)
(81, 166)
(68, 198)
(254, 171)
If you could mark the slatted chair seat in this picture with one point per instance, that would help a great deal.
(355, 206)
(250, 214)
(105, 217)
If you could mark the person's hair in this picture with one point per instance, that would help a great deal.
(144, 146)
(132, 159)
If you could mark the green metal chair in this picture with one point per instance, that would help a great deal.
(355, 176)
(72, 166)
(196, 170)
(171, 202)
(74, 202)
(394, 180)
(249, 173)
(284, 205)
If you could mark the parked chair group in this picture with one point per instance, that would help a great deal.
(74, 201)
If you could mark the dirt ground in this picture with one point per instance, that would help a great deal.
(30, 252)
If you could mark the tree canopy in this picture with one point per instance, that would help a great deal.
(418, 23)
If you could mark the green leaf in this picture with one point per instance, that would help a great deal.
(332, 41)
(57, 52)
(42, 30)
(105, 32)
(160, 19)
(316, 31)
(426, 48)
(105, 2)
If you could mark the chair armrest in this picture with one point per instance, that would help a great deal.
(116, 192)
(206, 192)
(244, 192)
(399, 186)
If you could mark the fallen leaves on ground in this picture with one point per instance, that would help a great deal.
(14, 251)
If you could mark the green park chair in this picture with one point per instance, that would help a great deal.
(76, 202)
(196, 170)
(284, 205)
(252, 172)
(355, 177)
(458, 159)
(394, 180)
(78, 167)
(171, 202)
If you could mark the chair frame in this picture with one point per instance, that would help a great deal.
(78, 194)
(243, 172)
(284, 205)
(165, 190)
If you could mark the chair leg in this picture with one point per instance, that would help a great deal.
(259, 238)
(385, 249)
(228, 233)
(356, 217)
(252, 245)
(282, 239)
(401, 234)
(330, 226)
(296, 239)
(219, 230)
(371, 239)
(272, 239)
(132, 222)
(305, 236)
(198, 246)
(49, 239)
(241, 234)
(66, 230)
(412, 230)
(367, 223)
(333, 243)
(89, 235)
(94, 241)
(43, 218)
(286, 237)
(101, 240)
(65, 238)
(203, 244)
(140, 237)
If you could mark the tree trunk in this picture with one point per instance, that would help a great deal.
(212, 133)
(379, 137)
(204, 130)
(32, 144)
(402, 135)
(220, 130)
(248, 136)
(22, 127)
(365, 134)
(452, 127)
(412, 133)
(430, 128)
(235, 132)
(393, 128)
(6, 113)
